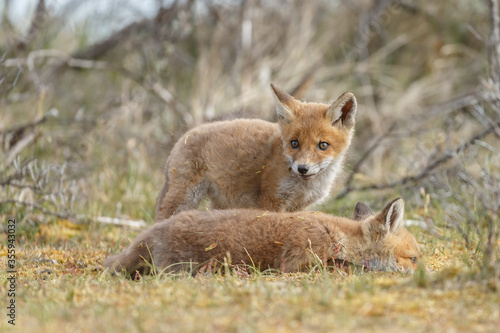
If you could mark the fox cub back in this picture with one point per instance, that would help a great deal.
(286, 241)
(243, 163)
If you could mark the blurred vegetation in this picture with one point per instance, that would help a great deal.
(86, 125)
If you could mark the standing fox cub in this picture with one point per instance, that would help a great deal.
(285, 241)
(247, 163)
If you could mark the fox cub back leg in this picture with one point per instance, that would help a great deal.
(185, 197)
(183, 190)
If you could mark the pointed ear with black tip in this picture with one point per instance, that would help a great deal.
(392, 215)
(283, 102)
(361, 211)
(343, 110)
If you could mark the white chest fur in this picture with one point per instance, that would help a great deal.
(296, 193)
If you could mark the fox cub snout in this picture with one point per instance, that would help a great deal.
(286, 241)
(251, 163)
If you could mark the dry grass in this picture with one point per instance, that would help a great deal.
(103, 122)
(60, 286)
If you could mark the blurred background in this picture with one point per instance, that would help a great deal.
(94, 94)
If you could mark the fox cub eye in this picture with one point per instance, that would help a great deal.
(413, 260)
(323, 145)
(294, 144)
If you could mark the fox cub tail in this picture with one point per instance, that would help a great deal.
(137, 257)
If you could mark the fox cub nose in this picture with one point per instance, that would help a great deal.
(302, 169)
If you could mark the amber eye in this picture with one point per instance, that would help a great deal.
(323, 145)
(413, 260)
(294, 144)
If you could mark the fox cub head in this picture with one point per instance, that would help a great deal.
(386, 235)
(315, 135)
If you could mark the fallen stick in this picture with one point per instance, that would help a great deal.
(122, 222)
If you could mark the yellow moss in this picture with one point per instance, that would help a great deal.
(61, 229)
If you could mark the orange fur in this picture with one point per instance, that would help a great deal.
(286, 241)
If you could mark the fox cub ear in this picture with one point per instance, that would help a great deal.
(283, 102)
(392, 215)
(343, 110)
(386, 222)
(362, 211)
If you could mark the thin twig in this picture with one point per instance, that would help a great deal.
(25, 126)
(18, 147)
(37, 22)
(34, 205)
(441, 109)
(149, 84)
(305, 82)
(9, 179)
(99, 49)
(154, 86)
(16, 175)
(364, 157)
(18, 185)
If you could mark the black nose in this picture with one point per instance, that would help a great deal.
(303, 169)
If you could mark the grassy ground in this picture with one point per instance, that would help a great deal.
(60, 287)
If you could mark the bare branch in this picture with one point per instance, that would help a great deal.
(426, 171)
(364, 157)
(34, 205)
(122, 222)
(149, 84)
(65, 59)
(301, 88)
(100, 49)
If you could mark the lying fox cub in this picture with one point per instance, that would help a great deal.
(286, 241)
(251, 163)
